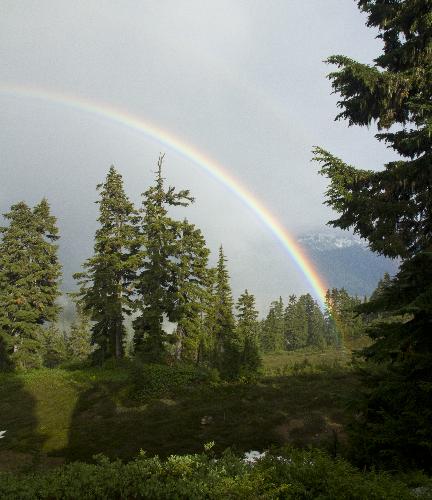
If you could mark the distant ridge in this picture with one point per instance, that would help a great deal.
(345, 261)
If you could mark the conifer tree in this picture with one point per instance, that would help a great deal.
(392, 209)
(207, 344)
(247, 332)
(45, 253)
(105, 285)
(155, 286)
(189, 278)
(226, 356)
(348, 321)
(79, 345)
(29, 276)
(54, 346)
(300, 323)
(333, 335)
(290, 331)
(315, 323)
(273, 331)
(395, 424)
(383, 284)
(304, 323)
(247, 315)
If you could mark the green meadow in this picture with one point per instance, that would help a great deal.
(57, 415)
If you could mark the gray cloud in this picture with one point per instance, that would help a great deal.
(241, 81)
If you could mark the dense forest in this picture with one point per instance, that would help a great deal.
(161, 358)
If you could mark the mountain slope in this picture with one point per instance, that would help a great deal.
(345, 261)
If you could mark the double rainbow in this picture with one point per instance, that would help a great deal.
(126, 119)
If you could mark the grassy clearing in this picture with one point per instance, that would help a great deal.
(312, 361)
(305, 361)
(57, 415)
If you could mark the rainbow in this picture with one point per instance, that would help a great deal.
(172, 142)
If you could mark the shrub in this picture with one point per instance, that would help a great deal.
(291, 474)
(156, 381)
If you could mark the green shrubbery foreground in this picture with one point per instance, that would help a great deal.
(157, 380)
(290, 474)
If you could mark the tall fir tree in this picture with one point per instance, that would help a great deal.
(315, 323)
(226, 346)
(392, 209)
(247, 315)
(247, 333)
(106, 290)
(29, 283)
(292, 339)
(273, 329)
(304, 323)
(207, 344)
(189, 278)
(155, 283)
(333, 334)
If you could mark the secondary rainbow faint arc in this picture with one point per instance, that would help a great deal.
(124, 118)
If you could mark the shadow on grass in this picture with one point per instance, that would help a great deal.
(20, 448)
(305, 409)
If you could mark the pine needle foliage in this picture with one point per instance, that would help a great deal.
(190, 273)
(29, 283)
(343, 315)
(247, 332)
(392, 209)
(54, 346)
(155, 283)
(273, 328)
(226, 354)
(105, 285)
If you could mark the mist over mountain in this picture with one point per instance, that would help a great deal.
(344, 260)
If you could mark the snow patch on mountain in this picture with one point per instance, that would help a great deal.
(330, 241)
(345, 261)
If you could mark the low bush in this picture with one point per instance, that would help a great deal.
(292, 474)
(156, 381)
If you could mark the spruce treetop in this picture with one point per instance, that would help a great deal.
(246, 308)
(223, 287)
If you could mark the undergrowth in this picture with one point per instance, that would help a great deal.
(291, 474)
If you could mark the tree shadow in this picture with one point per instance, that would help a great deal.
(21, 445)
(240, 416)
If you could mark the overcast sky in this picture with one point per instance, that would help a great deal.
(241, 81)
